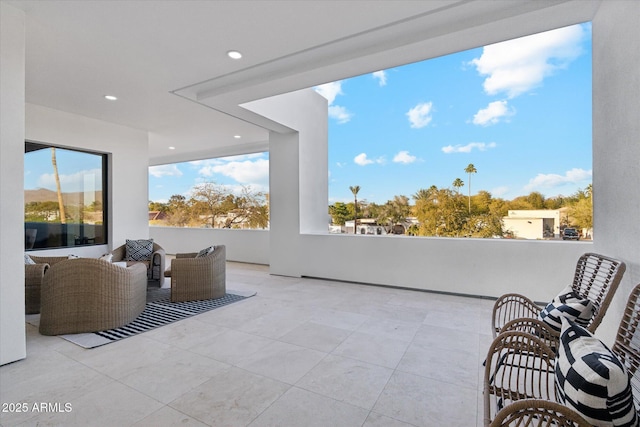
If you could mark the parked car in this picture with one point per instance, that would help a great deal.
(570, 234)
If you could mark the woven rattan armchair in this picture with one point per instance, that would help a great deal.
(538, 413)
(596, 278)
(519, 375)
(33, 277)
(201, 278)
(155, 265)
(90, 295)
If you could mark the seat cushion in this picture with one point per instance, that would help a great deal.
(591, 380)
(139, 250)
(567, 304)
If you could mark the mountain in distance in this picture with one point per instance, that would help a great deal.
(44, 195)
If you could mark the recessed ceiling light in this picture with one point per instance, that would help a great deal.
(110, 97)
(237, 136)
(234, 54)
(172, 148)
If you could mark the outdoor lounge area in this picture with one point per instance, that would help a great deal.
(302, 352)
(344, 330)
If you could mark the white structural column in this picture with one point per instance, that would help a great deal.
(616, 144)
(12, 119)
(298, 174)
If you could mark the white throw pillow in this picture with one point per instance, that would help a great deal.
(206, 251)
(106, 257)
(28, 260)
(567, 304)
(591, 380)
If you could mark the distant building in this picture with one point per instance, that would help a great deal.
(371, 226)
(533, 224)
(366, 226)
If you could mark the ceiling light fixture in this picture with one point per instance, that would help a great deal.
(234, 54)
(172, 148)
(237, 136)
(110, 97)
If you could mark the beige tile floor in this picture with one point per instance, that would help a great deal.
(301, 353)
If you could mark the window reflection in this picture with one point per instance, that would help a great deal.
(64, 197)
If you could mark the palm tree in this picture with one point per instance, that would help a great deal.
(457, 184)
(54, 163)
(470, 169)
(354, 189)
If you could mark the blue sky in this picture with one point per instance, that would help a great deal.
(520, 111)
(236, 172)
(76, 170)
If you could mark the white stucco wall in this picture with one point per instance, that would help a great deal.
(298, 175)
(250, 246)
(616, 144)
(12, 78)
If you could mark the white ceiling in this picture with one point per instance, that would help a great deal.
(166, 60)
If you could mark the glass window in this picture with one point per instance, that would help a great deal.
(64, 197)
(224, 192)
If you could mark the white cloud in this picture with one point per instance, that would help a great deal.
(164, 170)
(420, 115)
(381, 76)
(481, 146)
(519, 65)
(573, 176)
(224, 160)
(404, 157)
(499, 191)
(245, 172)
(362, 160)
(493, 113)
(339, 113)
(331, 91)
(73, 182)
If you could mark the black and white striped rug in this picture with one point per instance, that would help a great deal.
(159, 311)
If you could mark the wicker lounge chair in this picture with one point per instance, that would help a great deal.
(90, 295)
(596, 278)
(155, 265)
(33, 277)
(538, 413)
(520, 375)
(200, 278)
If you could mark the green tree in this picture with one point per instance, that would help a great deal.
(440, 212)
(394, 212)
(536, 200)
(153, 206)
(355, 189)
(469, 170)
(581, 210)
(249, 209)
(179, 211)
(457, 184)
(339, 213)
(207, 201)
